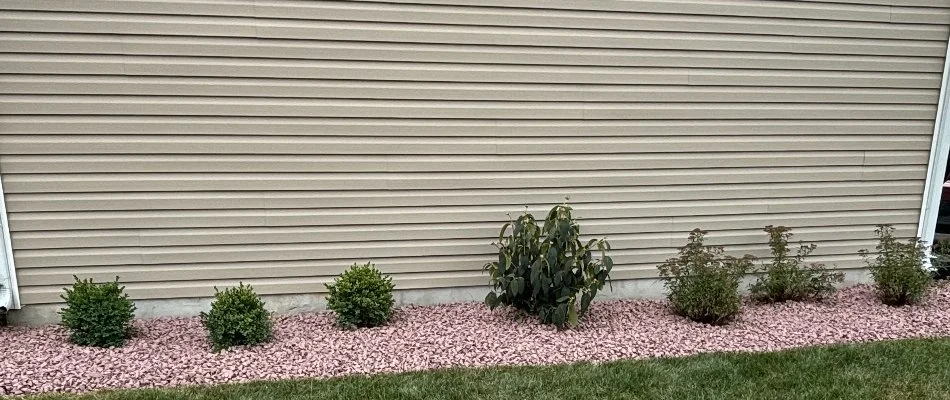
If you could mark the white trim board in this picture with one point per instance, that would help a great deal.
(938, 160)
(6, 249)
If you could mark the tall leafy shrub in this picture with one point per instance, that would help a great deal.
(361, 297)
(237, 317)
(703, 282)
(547, 270)
(97, 314)
(898, 268)
(786, 277)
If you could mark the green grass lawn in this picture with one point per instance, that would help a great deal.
(911, 369)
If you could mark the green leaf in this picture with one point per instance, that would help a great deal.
(558, 277)
(566, 291)
(564, 229)
(552, 257)
(504, 262)
(491, 300)
(535, 272)
(545, 284)
(501, 235)
(585, 302)
(560, 315)
(517, 285)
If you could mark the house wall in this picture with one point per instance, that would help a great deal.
(183, 145)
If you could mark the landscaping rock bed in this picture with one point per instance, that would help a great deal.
(170, 352)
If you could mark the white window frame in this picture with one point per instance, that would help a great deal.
(6, 249)
(933, 187)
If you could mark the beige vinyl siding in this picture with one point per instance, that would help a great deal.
(188, 144)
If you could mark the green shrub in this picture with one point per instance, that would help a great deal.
(361, 297)
(237, 318)
(786, 277)
(97, 314)
(898, 268)
(703, 283)
(543, 270)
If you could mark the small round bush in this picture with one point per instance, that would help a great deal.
(237, 318)
(97, 314)
(898, 268)
(703, 283)
(361, 297)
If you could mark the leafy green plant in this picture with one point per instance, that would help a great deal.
(548, 271)
(703, 282)
(237, 318)
(361, 297)
(97, 314)
(786, 277)
(898, 268)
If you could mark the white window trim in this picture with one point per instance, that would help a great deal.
(6, 256)
(933, 186)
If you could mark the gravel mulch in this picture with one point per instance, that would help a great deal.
(171, 352)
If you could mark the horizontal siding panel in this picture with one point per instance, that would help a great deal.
(79, 127)
(298, 69)
(773, 9)
(466, 262)
(329, 89)
(857, 10)
(481, 16)
(826, 10)
(434, 72)
(283, 269)
(317, 200)
(153, 164)
(920, 15)
(119, 238)
(391, 215)
(143, 144)
(53, 183)
(421, 163)
(170, 105)
(449, 34)
(484, 16)
(625, 250)
(88, 44)
(799, 78)
(893, 158)
(903, 3)
(212, 7)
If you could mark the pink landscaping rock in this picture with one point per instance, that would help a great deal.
(173, 352)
